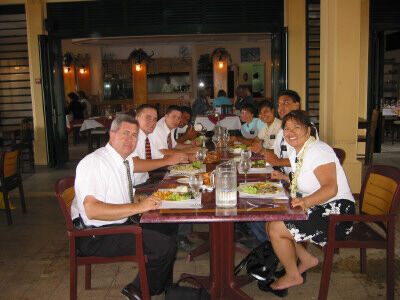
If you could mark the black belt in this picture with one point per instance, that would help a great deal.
(79, 224)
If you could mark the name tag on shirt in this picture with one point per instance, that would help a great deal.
(251, 131)
(272, 136)
(283, 148)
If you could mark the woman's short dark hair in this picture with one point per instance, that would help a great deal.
(221, 93)
(73, 96)
(187, 110)
(250, 108)
(268, 104)
(290, 93)
(301, 117)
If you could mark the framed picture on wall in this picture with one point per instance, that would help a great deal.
(249, 54)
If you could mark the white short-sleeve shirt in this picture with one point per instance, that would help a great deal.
(160, 136)
(269, 133)
(140, 151)
(282, 149)
(101, 174)
(319, 153)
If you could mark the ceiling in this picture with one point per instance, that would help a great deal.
(172, 39)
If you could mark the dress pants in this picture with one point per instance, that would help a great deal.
(158, 243)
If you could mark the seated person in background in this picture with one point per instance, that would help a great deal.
(104, 197)
(243, 97)
(146, 152)
(221, 99)
(319, 187)
(168, 87)
(185, 130)
(163, 134)
(267, 135)
(75, 107)
(201, 104)
(251, 126)
(258, 86)
(86, 104)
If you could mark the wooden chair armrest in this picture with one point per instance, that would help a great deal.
(132, 229)
(356, 196)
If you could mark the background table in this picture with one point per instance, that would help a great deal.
(222, 284)
(232, 122)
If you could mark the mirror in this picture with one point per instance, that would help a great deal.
(168, 82)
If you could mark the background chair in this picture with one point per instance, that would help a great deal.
(10, 177)
(27, 141)
(341, 154)
(379, 199)
(64, 189)
(369, 138)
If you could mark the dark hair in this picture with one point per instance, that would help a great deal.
(187, 110)
(268, 104)
(172, 108)
(116, 123)
(300, 116)
(142, 107)
(290, 93)
(82, 94)
(73, 96)
(250, 108)
(221, 93)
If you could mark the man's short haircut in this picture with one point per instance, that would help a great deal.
(142, 107)
(171, 108)
(268, 104)
(221, 93)
(116, 123)
(187, 110)
(250, 108)
(292, 94)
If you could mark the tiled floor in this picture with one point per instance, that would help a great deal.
(34, 254)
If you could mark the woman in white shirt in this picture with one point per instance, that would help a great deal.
(318, 185)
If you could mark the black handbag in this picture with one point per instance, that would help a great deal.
(260, 263)
(177, 292)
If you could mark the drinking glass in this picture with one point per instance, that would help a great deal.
(201, 155)
(244, 166)
(195, 182)
(245, 154)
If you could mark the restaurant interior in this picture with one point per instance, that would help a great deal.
(343, 58)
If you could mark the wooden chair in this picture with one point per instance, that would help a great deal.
(10, 178)
(369, 138)
(341, 154)
(64, 189)
(379, 199)
(226, 109)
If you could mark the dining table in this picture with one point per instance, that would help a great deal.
(231, 121)
(221, 283)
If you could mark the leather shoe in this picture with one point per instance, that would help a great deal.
(131, 292)
(184, 244)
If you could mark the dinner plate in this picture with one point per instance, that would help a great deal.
(186, 169)
(183, 180)
(278, 194)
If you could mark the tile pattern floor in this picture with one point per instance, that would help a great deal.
(34, 254)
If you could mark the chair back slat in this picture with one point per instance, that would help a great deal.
(10, 163)
(380, 191)
(341, 154)
(65, 193)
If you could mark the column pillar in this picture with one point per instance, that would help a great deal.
(220, 70)
(35, 27)
(340, 81)
(139, 77)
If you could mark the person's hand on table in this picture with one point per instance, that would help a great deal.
(149, 203)
(192, 157)
(256, 147)
(271, 157)
(195, 142)
(192, 150)
(279, 176)
(177, 158)
(232, 139)
(301, 203)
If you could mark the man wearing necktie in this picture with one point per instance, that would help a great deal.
(104, 196)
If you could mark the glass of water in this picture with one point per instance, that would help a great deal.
(195, 182)
(245, 154)
(201, 154)
(244, 166)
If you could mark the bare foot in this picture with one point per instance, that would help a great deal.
(309, 263)
(287, 281)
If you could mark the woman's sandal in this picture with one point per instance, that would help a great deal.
(266, 287)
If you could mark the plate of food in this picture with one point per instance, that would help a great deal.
(179, 197)
(237, 149)
(261, 189)
(183, 180)
(193, 168)
(259, 167)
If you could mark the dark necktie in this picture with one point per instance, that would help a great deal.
(148, 149)
(169, 141)
(128, 171)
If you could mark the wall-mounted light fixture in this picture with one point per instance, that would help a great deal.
(138, 66)
(220, 62)
(67, 70)
(82, 69)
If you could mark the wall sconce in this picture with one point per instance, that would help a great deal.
(220, 62)
(82, 70)
(67, 70)
(138, 66)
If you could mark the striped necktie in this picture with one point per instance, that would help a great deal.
(169, 141)
(148, 149)
(128, 171)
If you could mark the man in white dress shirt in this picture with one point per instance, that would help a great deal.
(146, 151)
(104, 196)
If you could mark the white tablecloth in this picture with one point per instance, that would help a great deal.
(90, 124)
(231, 122)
